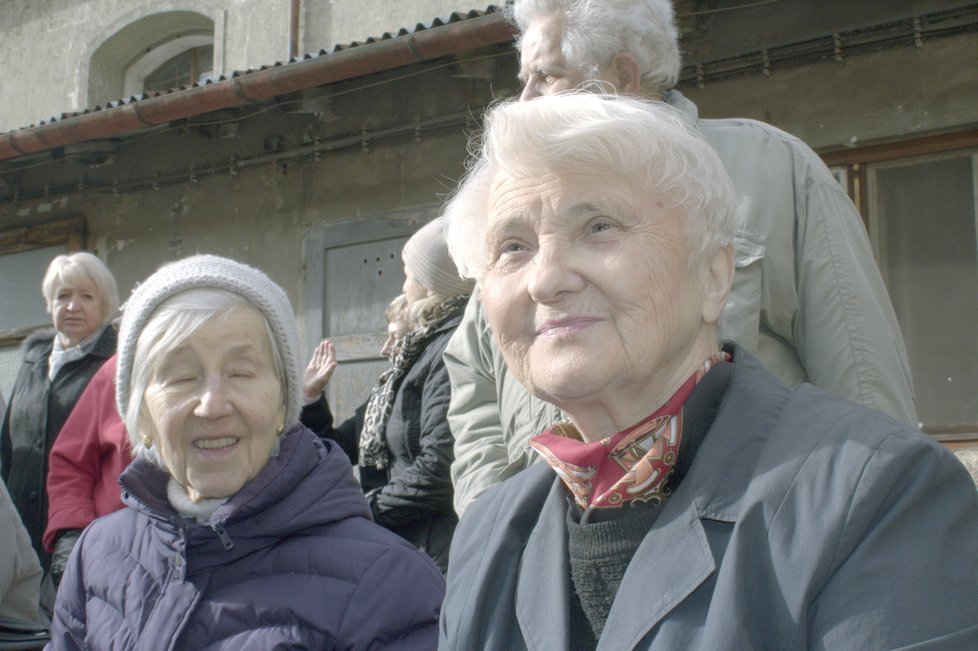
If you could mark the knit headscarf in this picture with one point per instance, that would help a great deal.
(212, 272)
(426, 256)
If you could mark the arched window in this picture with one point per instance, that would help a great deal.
(190, 66)
(152, 53)
(181, 61)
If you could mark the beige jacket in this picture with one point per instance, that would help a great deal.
(807, 299)
(20, 571)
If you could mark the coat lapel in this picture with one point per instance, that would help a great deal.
(675, 558)
(543, 591)
(672, 562)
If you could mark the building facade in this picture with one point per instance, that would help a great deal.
(316, 162)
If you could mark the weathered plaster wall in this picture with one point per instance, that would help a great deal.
(260, 215)
(889, 94)
(45, 47)
(327, 23)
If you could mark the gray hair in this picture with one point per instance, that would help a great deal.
(647, 143)
(82, 267)
(596, 30)
(176, 319)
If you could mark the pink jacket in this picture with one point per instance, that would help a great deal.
(88, 456)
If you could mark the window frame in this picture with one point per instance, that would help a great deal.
(854, 165)
(159, 55)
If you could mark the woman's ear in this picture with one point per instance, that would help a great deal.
(717, 275)
(628, 74)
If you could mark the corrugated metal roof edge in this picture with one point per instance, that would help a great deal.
(460, 33)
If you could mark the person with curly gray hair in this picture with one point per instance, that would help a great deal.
(690, 499)
(242, 529)
(807, 296)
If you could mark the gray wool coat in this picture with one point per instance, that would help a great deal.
(805, 522)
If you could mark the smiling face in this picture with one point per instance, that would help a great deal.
(76, 312)
(214, 405)
(590, 295)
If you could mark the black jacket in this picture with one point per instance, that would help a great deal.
(413, 496)
(36, 411)
(318, 417)
(416, 502)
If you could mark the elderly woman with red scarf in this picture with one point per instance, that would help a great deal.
(691, 500)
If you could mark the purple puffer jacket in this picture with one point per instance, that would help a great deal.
(292, 561)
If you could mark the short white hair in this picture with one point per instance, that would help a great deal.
(596, 30)
(170, 325)
(82, 267)
(646, 143)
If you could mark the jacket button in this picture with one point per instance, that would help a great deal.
(32, 495)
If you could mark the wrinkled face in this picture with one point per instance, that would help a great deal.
(413, 290)
(76, 312)
(214, 406)
(543, 68)
(588, 292)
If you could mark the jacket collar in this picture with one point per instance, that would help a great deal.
(38, 345)
(675, 556)
(309, 483)
(685, 106)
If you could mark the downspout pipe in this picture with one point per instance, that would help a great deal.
(260, 85)
(295, 10)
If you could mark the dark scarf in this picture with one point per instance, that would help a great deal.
(373, 438)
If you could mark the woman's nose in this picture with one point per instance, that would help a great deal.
(553, 273)
(529, 91)
(213, 401)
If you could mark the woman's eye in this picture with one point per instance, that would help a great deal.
(180, 380)
(601, 226)
(511, 247)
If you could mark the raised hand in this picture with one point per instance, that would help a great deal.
(320, 369)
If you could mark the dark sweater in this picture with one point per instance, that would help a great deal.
(601, 542)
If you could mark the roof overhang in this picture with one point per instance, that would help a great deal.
(241, 89)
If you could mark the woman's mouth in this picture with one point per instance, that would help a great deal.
(566, 326)
(215, 444)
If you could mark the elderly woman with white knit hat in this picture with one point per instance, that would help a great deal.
(242, 528)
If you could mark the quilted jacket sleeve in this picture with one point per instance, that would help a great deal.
(69, 620)
(404, 614)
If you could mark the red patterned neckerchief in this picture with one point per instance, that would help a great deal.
(629, 467)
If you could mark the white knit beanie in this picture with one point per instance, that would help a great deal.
(212, 272)
(426, 256)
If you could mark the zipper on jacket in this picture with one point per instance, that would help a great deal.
(218, 528)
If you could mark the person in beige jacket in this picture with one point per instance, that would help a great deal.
(20, 571)
(807, 298)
